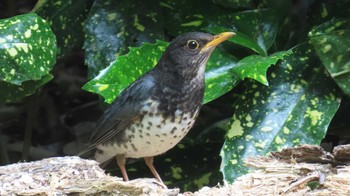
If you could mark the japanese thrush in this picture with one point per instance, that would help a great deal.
(157, 110)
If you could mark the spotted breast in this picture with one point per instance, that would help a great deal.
(152, 135)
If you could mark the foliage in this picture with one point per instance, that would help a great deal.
(111, 28)
(332, 44)
(28, 51)
(291, 69)
(66, 19)
(292, 110)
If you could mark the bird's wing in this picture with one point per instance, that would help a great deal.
(124, 111)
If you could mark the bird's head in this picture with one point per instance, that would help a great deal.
(188, 53)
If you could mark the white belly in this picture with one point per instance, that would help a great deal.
(150, 137)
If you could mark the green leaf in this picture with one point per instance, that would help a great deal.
(111, 28)
(27, 48)
(286, 36)
(66, 19)
(239, 38)
(259, 25)
(326, 10)
(292, 110)
(255, 66)
(189, 15)
(255, 29)
(11, 93)
(332, 43)
(219, 78)
(314, 184)
(111, 81)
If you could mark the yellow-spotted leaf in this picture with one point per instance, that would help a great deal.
(256, 29)
(113, 26)
(240, 38)
(66, 18)
(11, 93)
(332, 43)
(255, 66)
(219, 76)
(27, 48)
(295, 109)
(259, 26)
(111, 81)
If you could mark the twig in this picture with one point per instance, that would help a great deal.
(302, 181)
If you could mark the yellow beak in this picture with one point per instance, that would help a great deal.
(218, 39)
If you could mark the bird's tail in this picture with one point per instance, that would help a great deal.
(87, 153)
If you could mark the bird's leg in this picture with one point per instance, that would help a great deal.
(121, 163)
(149, 162)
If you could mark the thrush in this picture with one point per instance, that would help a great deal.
(157, 110)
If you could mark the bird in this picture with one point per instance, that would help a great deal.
(158, 109)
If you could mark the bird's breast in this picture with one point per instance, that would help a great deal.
(154, 134)
(186, 96)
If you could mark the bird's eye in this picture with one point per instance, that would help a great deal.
(192, 44)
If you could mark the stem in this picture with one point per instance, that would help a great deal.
(31, 116)
(4, 158)
(340, 73)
